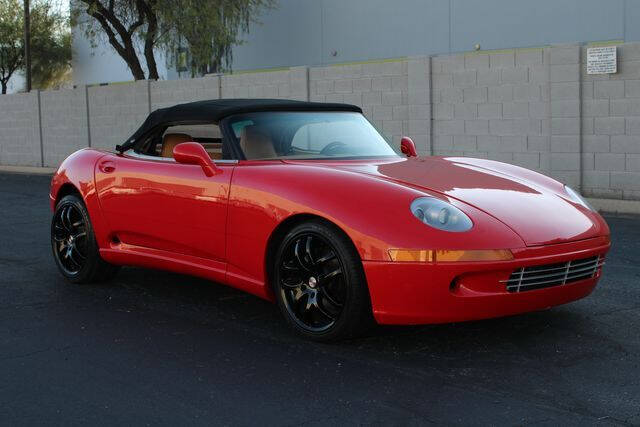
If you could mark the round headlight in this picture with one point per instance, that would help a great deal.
(576, 197)
(440, 214)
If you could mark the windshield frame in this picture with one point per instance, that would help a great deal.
(226, 126)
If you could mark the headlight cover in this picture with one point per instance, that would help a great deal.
(440, 214)
(577, 198)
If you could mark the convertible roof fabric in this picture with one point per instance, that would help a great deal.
(216, 109)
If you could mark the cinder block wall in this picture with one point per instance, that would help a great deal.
(115, 112)
(165, 93)
(611, 128)
(64, 124)
(493, 105)
(381, 89)
(284, 84)
(536, 108)
(20, 142)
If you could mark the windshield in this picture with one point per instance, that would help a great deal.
(308, 135)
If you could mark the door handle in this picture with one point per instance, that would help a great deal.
(107, 166)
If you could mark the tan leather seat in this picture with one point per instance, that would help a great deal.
(256, 143)
(215, 155)
(170, 140)
(214, 149)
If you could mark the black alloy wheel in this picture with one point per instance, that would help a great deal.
(319, 283)
(74, 245)
(312, 282)
(69, 238)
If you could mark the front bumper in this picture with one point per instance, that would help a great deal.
(421, 293)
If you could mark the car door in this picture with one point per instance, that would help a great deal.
(160, 204)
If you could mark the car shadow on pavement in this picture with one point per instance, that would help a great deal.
(201, 300)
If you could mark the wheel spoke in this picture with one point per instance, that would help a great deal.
(329, 298)
(62, 247)
(311, 302)
(60, 220)
(79, 235)
(299, 257)
(58, 226)
(298, 294)
(324, 312)
(78, 253)
(328, 257)
(290, 265)
(66, 219)
(308, 250)
(291, 283)
(59, 235)
(71, 257)
(330, 274)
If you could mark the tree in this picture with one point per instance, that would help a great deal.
(209, 30)
(50, 47)
(50, 43)
(11, 41)
(123, 23)
(135, 28)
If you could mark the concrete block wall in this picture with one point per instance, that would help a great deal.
(611, 128)
(531, 107)
(116, 112)
(564, 89)
(167, 93)
(419, 103)
(64, 123)
(381, 89)
(20, 129)
(284, 84)
(492, 105)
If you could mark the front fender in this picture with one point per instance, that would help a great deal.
(374, 213)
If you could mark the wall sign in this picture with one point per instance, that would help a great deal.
(602, 60)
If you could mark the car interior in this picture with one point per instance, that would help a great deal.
(272, 136)
(255, 141)
(162, 142)
(206, 134)
(307, 135)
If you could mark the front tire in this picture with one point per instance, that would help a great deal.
(319, 283)
(74, 245)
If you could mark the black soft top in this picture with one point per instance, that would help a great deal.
(216, 109)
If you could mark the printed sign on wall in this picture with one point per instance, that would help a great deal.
(602, 60)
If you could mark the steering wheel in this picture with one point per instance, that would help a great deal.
(333, 148)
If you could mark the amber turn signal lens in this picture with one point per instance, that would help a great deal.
(408, 255)
(473, 255)
(427, 255)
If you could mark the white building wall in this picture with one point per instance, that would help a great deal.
(322, 32)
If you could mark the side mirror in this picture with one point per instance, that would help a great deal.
(192, 153)
(407, 147)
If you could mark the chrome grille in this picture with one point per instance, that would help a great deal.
(545, 276)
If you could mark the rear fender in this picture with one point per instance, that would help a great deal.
(79, 170)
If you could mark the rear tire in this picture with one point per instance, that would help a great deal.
(319, 283)
(74, 245)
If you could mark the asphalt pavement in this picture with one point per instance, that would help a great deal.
(157, 348)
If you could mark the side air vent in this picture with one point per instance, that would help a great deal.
(545, 276)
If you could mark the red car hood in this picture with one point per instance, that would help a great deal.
(534, 206)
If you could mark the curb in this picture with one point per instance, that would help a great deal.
(32, 170)
(614, 206)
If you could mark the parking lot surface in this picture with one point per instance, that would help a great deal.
(159, 348)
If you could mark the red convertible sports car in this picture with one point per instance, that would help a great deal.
(307, 205)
